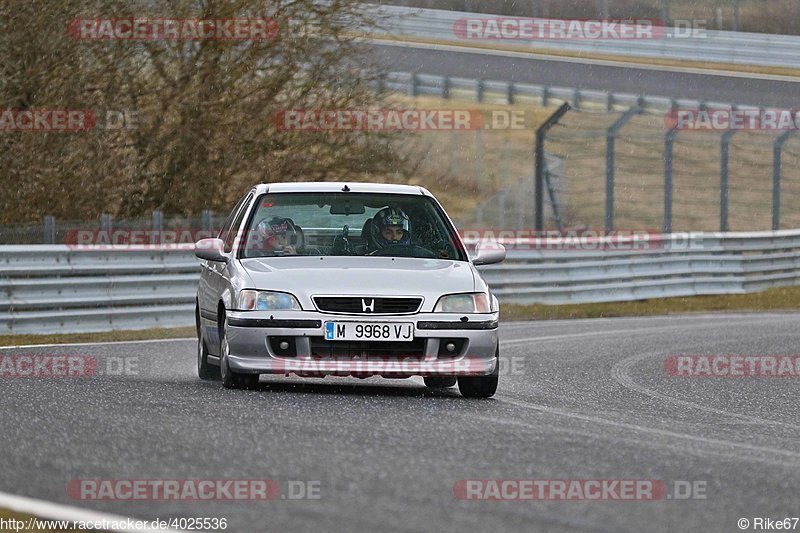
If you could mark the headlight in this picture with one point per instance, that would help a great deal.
(463, 303)
(250, 300)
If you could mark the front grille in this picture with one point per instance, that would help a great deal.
(377, 306)
(324, 348)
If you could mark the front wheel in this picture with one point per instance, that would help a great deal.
(231, 379)
(480, 386)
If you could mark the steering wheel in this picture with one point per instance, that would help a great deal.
(341, 243)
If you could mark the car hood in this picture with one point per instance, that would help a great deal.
(368, 276)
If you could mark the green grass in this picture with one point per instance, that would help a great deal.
(784, 298)
(107, 336)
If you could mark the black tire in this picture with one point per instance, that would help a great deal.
(231, 379)
(480, 386)
(440, 382)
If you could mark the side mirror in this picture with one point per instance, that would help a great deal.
(211, 250)
(488, 253)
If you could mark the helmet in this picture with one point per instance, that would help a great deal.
(388, 217)
(276, 233)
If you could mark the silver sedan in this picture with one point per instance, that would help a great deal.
(334, 279)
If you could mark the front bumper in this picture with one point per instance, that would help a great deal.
(254, 338)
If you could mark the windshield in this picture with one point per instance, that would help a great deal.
(349, 224)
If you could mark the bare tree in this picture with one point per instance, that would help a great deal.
(203, 108)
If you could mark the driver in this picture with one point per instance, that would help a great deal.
(393, 227)
(278, 236)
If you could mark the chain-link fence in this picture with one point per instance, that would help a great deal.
(612, 163)
(701, 186)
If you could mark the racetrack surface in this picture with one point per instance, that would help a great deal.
(582, 399)
(738, 88)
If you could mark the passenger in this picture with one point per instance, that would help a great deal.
(277, 236)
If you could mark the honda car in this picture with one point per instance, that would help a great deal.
(346, 279)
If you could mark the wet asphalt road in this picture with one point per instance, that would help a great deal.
(586, 399)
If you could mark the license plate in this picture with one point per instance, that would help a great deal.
(369, 331)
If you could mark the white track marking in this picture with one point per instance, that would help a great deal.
(724, 447)
(620, 372)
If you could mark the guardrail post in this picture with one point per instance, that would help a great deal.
(479, 154)
(502, 211)
(381, 82)
(412, 89)
(611, 137)
(541, 134)
(665, 12)
(510, 93)
(49, 230)
(724, 188)
(446, 88)
(157, 226)
(777, 151)
(669, 144)
(106, 223)
(205, 220)
(480, 87)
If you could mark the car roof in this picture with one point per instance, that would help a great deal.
(328, 187)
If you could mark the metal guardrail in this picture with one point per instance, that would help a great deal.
(711, 45)
(58, 289)
(416, 84)
(679, 265)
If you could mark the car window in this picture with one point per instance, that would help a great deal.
(350, 224)
(233, 231)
